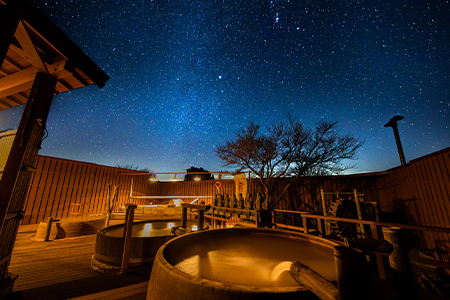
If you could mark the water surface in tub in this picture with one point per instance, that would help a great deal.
(252, 261)
(148, 229)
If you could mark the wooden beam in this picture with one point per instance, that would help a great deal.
(27, 45)
(17, 79)
(61, 69)
(16, 89)
(23, 80)
(6, 105)
(41, 24)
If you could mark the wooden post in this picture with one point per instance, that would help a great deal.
(324, 209)
(129, 226)
(360, 216)
(125, 224)
(401, 269)
(201, 219)
(305, 225)
(15, 179)
(184, 215)
(380, 264)
(320, 227)
(48, 229)
(353, 279)
(131, 190)
(214, 222)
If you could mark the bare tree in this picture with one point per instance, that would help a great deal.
(288, 150)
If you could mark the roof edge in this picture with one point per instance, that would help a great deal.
(35, 18)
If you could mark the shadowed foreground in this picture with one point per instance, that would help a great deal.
(60, 269)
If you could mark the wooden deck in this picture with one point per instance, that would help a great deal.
(60, 269)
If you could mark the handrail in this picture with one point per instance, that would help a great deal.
(8, 133)
(366, 222)
(374, 225)
(170, 197)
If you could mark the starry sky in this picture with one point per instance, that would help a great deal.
(187, 75)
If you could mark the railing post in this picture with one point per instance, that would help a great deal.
(305, 225)
(402, 273)
(360, 216)
(184, 215)
(380, 264)
(201, 219)
(129, 217)
(324, 209)
(353, 280)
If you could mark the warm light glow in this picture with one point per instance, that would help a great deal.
(194, 228)
(197, 178)
(153, 179)
(146, 230)
(174, 178)
(177, 202)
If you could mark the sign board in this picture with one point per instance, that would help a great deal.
(240, 181)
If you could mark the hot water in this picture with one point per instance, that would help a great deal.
(251, 262)
(237, 263)
(146, 229)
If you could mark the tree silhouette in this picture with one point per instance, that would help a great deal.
(288, 150)
(197, 172)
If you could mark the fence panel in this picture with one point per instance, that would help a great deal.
(416, 193)
(59, 183)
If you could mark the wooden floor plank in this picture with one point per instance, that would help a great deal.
(119, 293)
(60, 269)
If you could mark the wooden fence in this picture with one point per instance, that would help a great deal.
(416, 193)
(419, 194)
(57, 184)
(302, 196)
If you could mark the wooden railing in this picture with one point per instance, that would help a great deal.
(375, 233)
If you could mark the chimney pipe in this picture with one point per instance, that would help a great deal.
(393, 123)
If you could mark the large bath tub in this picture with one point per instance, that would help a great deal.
(147, 238)
(238, 263)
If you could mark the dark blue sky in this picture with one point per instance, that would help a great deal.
(186, 75)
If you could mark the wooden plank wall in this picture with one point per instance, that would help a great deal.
(302, 196)
(58, 183)
(419, 193)
(185, 188)
(416, 193)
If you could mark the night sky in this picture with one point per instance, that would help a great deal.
(186, 75)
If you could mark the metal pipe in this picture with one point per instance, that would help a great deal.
(393, 123)
(353, 280)
(321, 287)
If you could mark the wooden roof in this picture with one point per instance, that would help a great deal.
(39, 45)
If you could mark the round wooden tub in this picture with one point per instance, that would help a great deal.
(147, 238)
(238, 264)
